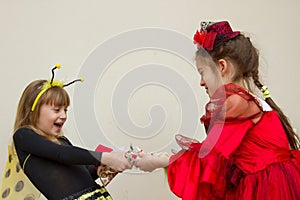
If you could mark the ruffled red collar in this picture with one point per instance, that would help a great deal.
(214, 106)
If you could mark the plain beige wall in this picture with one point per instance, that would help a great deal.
(37, 34)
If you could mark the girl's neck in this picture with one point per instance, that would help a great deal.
(53, 139)
(240, 83)
(48, 137)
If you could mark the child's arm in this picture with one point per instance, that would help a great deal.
(149, 162)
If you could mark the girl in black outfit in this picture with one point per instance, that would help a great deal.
(58, 169)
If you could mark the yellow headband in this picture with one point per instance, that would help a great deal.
(51, 83)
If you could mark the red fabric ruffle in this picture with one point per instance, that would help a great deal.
(216, 177)
(240, 158)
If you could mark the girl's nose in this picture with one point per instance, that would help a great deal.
(63, 114)
(202, 82)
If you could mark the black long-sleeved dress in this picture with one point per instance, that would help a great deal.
(58, 171)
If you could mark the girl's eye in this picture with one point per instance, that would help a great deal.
(200, 71)
(56, 109)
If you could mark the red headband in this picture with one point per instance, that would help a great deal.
(214, 33)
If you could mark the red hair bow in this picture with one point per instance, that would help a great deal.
(205, 39)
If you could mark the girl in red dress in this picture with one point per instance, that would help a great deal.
(251, 150)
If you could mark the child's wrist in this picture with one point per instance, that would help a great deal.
(105, 158)
(163, 160)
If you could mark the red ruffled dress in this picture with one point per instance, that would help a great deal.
(246, 154)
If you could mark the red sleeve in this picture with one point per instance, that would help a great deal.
(200, 172)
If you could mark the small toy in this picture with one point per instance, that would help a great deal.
(132, 154)
(105, 173)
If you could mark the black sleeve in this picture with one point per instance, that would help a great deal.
(93, 172)
(28, 141)
(91, 168)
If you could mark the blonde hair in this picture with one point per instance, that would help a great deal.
(55, 95)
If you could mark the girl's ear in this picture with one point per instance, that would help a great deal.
(223, 66)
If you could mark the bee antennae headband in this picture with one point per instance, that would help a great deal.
(52, 83)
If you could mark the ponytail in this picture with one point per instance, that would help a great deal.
(293, 138)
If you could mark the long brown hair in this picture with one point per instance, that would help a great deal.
(25, 117)
(245, 57)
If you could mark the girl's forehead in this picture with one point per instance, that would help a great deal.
(202, 60)
(205, 63)
(56, 97)
(56, 104)
(202, 65)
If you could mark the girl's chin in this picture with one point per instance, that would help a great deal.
(55, 133)
(208, 93)
(58, 129)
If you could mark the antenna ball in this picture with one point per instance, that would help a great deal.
(57, 66)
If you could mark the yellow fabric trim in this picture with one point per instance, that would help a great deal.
(15, 184)
(23, 166)
(88, 195)
(62, 136)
